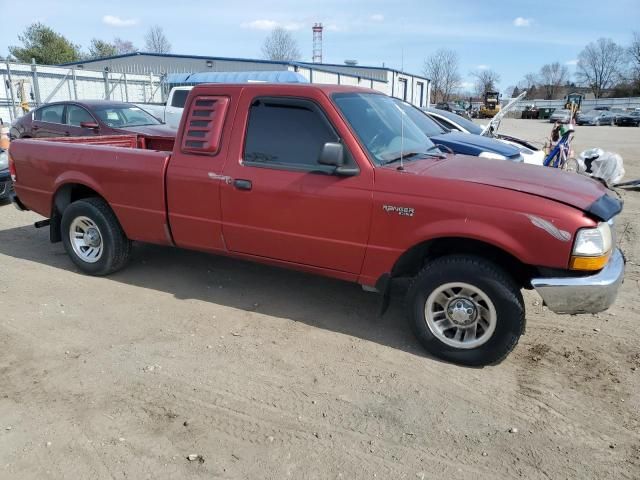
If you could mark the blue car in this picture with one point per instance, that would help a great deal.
(458, 142)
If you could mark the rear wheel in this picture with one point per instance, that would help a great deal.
(466, 310)
(93, 237)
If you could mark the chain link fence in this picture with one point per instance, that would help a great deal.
(26, 86)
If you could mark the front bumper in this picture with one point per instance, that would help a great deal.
(590, 294)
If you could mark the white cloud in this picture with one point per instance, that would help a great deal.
(571, 62)
(115, 21)
(466, 85)
(265, 24)
(522, 22)
(377, 17)
(482, 67)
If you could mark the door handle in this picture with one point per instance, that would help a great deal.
(242, 184)
(35, 127)
(67, 134)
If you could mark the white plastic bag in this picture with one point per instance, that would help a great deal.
(600, 164)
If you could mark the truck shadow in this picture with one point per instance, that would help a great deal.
(316, 301)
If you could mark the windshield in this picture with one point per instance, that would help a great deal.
(428, 126)
(124, 116)
(385, 129)
(468, 125)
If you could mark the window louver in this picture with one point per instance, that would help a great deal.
(203, 126)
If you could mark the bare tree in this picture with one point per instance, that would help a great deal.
(443, 71)
(486, 81)
(156, 41)
(552, 77)
(600, 65)
(123, 46)
(280, 45)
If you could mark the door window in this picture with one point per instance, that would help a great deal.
(179, 98)
(50, 114)
(286, 133)
(76, 115)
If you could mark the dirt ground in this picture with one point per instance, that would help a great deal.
(267, 373)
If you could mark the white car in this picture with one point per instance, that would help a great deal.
(531, 154)
(171, 112)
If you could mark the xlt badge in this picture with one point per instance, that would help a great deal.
(402, 211)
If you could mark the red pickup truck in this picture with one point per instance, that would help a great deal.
(340, 182)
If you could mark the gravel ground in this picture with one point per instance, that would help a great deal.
(258, 372)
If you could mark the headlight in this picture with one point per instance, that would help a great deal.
(494, 156)
(4, 160)
(592, 248)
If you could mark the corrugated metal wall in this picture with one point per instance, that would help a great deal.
(44, 84)
(143, 64)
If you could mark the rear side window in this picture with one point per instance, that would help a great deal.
(50, 114)
(179, 98)
(203, 125)
(286, 133)
(444, 123)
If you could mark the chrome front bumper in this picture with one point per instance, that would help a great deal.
(590, 294)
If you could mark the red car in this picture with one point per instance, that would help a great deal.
(338, 181)
(88, 118)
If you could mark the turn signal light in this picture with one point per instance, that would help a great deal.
(588, 263)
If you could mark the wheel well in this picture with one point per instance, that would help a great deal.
(66, 195)
(414, 259)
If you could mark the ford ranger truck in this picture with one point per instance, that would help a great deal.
(338, 181)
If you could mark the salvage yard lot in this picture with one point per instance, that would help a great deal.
(268, 373)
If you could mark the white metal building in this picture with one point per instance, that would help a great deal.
(412, 88)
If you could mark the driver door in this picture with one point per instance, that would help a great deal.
(278, 202)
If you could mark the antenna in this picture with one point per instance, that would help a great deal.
(317, 42)
(401, 167)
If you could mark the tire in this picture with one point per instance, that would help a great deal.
(93, 237)
(495, 293)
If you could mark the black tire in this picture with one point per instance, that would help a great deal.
(116, 247)
(494, 283)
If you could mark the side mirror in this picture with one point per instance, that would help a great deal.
(93, 125)
(332, 154)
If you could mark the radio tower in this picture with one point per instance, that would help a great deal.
(317, 42)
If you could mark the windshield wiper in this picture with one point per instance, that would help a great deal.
(412, 154)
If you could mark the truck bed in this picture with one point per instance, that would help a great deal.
(145, 142)
(118, 168)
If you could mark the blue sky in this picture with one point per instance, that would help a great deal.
(511, 37)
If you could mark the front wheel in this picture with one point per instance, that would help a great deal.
(93, 237)
(466, 310)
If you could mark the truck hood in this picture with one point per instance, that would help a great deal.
(569, 188)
